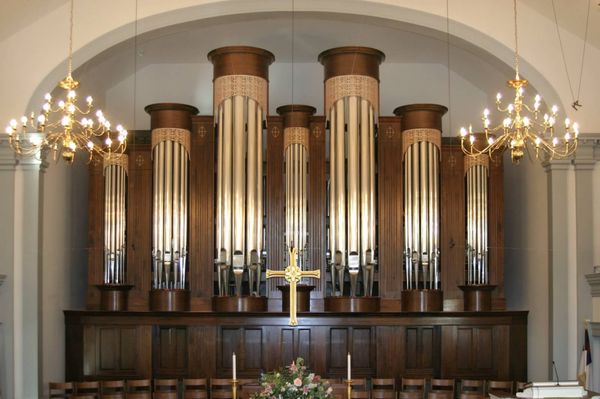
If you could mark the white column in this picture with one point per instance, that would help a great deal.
(561, 281)
(20, 238)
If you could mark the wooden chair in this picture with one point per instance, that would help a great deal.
(383, 394)
(441, 389)
(87, 389)
(195, 388)
(220, 388)
(358, 384)
(340, 391)
(138, 389)
(383, 384)
(360, 394)
(472, 389)
(500, 388)
(112, 389)
(412, 388)
(60, 389)
(249, 389)
(165, 389)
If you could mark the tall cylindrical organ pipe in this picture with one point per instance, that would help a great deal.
(421, 149)
(240, 101)
(476, 183)
(351, 108)
(296, 123)
(115, 168)
(171, 125)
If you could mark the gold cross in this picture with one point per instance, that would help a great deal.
(293, 274)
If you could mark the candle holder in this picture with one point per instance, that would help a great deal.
(234, 383)
(349, 383)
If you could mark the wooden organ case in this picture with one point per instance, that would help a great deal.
(147, 326)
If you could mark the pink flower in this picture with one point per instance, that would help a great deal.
(293, 367)
(317, 378)
(298, 382)
(329, 390)
(305, 389)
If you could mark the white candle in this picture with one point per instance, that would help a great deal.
(233, 361)
(349, 367)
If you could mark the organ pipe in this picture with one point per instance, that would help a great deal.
(170, 137)
(115, 182)
(476, 182)
(240, 104)
(351, 108)
(421, 149)
(296, 121)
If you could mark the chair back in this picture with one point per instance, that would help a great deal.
(249, 389)
(85, 389)
(60, 389)
(112, 389)
(339, 390)
(383, 384)
(359, 384)
(471, 389)
(165, 389)
(500, 388)
(383, 394)
(138, 389)
(195, 388)
(360, 394)
(413, 384)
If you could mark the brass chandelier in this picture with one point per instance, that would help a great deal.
(524, 127)
(64, 127)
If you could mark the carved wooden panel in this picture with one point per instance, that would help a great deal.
(359, 342)
(476, 351)
(390, 349)
(274, 205)
(202, 227)
(95, 232)
(317, 204)
(422, 349)
(170, 352)
(390, 208)
(139, 225)
(452, 225)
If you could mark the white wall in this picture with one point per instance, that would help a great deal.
(64, 260)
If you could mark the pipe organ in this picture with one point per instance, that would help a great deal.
(115, 183)
(170, 143)
(240, 101)
(421, 154)
(476, 182)
(383, 206)
(296, 121)
(352, 109)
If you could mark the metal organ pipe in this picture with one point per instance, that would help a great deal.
(351, 107)
(476, 181)
(115, 178)
(421, 124)
(171, 124)
(240, 100)
(296, 122)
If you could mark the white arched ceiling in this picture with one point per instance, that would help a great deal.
(476, 26)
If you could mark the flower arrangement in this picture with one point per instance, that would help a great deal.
(293, 382)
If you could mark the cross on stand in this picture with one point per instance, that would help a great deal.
(293, 274)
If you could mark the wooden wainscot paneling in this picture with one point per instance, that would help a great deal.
(202, 227)
(359, 342)
(274, 204)
(390, 213)
(139, 221)
(170, 351)
(114, 351)
(95, 231)
(422, 345)
(476, 351)
(452, 225)
(317, 209)
(486, 345)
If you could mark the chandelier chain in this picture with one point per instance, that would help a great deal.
(516, 40)
(70, 58)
